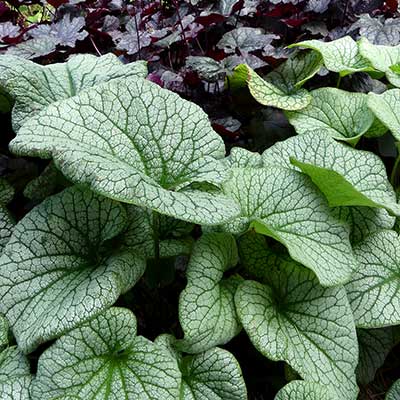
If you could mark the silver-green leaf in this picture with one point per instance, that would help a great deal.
(206, 306)
(134, 142)
(285, 205)
(33, 86)
(6, 220)
(394, 391)
(105, 360)
(58, 268)
(374, 290)
(295, 319)
(303, 390)
(346, 176)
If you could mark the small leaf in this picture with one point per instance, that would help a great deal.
(374, 345)
(54, 82)
(15, 378)
(382, 58)
(394, 391)
(303, 390)
(62, 243)
(268, 94)
(103, 360)
(341, 55)
(134, 142)
(33, 48)
(206, 67)
(386, 107)
(206, 307)
(374, 288)
(214, 374)
(241, 158)
(346, 176)
(334, 112)
(286, 205)
(295, 319)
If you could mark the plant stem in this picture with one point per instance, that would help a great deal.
(338, 81)
(156, 234)
(393, 175)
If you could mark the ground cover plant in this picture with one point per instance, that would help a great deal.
(290, 254)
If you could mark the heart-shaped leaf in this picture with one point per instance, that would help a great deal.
(334, 112)
(33, 86)
(135, 142)
(382, 58)
(386, 107)
(214, 374)
(59, 267)
(206, 306)
(374, 290)
(346, 176)
(341, 55)
(105, 360)
(374, 346)
(302, 390)
(285, 205)
(294, 319)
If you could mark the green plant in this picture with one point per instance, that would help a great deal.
(297, 247)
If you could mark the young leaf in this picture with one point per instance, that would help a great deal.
(364, 220)
(374, 288)
(286, 205)
(341, 55)
(295, 319)
(104, 360)
(386, 107)
(33, 86)
(63, 243)
(346, 176)
(206, 307)
(394, 391)
(303, 390)
(268, 94)
(132, 141)
(15, 378)
(214, 374)
(6, 220)
(334, 112)
(382, 58)
(374, 345)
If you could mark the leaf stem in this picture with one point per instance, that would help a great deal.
(156, 234)
(393, 175)
(339, 80)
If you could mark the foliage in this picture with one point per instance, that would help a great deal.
(294, 249)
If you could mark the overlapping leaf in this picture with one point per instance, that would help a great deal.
(58, 270)
(285, 205)
(33, 86)
(135, 142)
(334, 112)
(346, 176)
(214, 374)
(294, 319)
(206, 307)
(341, 55)
(374, 290)
(303, 390)
(6, 220)
(103, 360)
(386, 107)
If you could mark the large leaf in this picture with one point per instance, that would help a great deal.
(59, 269)
(346, 176)
(382, 58)
(364, 220)
(394, 391)
(334, 112)
(206, 306)
(374, 290)
(15, 378)
(6, 220)
(294, 319)
(33, 86)
(302, 390)
(285, 205)
(134, 142)
(105, 360)
(341, 55)
(269, 94)
(214, 374)
(374, 345)
(386, 107)
(3, 332)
